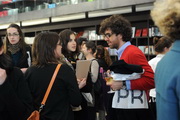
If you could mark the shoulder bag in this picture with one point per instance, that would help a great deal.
(35, 115)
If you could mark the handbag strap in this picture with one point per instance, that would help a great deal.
(49, 87)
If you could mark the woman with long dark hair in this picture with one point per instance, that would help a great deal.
(15, 97)
(46, 52)
(16, 48)
(70, 52)
(104, 60)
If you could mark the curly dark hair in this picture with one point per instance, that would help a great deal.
(118, 25)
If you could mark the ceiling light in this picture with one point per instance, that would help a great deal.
(35, 22)
(144, 7)
(68, 17)
(106, 12)
(5, 26)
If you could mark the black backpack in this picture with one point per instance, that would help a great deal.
(97, 86)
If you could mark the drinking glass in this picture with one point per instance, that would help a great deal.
(109, 79)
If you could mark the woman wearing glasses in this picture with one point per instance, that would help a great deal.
(15, 96)
(16, 48)
(46, 53)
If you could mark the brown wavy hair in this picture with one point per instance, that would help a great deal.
(43, 48)
(161, 43)
(103, 53)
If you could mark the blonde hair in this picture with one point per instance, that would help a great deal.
(166, 15)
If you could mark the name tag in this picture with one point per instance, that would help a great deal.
(130, 99)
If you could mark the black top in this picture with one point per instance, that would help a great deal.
(15, 98)
(20, 61)
(64, 92)
(102, 63)
(120, 66)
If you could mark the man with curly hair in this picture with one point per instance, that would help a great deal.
(166, 15)
(132, 95)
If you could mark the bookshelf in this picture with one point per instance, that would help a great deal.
(139, 20)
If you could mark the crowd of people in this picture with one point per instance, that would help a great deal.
(26, 71)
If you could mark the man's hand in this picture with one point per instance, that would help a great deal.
(3, 76)
(116, 85)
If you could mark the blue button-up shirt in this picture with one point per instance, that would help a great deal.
(119, 53)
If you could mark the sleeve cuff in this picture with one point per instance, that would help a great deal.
(128, 84)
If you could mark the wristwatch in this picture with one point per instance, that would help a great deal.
(124, 85)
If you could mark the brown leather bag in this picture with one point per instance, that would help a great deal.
(35, 115)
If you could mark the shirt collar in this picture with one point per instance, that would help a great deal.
(122, 48)
(160, 55)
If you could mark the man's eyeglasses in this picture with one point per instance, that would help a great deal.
(108, 35)
(14, 35)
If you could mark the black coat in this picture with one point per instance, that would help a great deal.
(22, 60)
(15, 97)
(64, 92)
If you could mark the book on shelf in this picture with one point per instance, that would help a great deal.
(86, 34)
(53, 5)
(138, 32)
(80, 34)
(133, 32)
(155, 31)
(92, 35)
(148, 50)
(150, 32)
(6, 1)
(152, 51)
(145, 32)
(142, 48)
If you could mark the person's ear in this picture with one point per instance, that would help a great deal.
(119, 36)
(166, 50)
(90, 50)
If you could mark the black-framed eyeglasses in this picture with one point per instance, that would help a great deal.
(14, 35)
(108, 35)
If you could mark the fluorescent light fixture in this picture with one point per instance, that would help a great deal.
(68, 17)
(29, 40)
(5, 26)
(35, 22)
(106, 12)
(144, 7)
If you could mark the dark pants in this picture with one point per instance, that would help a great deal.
(82, 114)
(110, 111)
(134, 114)
(152, 106)
(91, 113)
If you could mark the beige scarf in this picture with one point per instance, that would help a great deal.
(13, 48)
